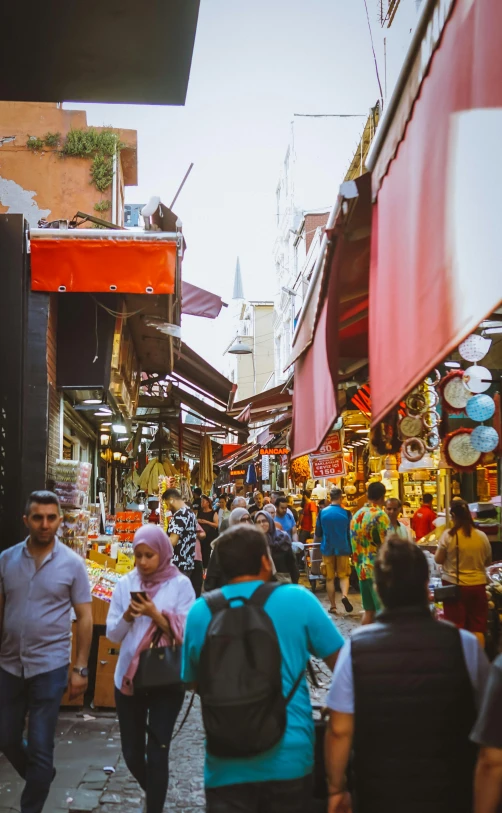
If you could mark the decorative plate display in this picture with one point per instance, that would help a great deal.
(432, 440)
(474, 348)
(416, 403)
(484, 438)
(410, 426)
(413, 449)
(459, 451)
(454, 391)
(477, 379)
(480, 408)
(430, 419)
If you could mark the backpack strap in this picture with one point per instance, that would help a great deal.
(216, 601)
(263, 592)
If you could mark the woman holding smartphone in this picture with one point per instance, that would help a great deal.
(154, 595)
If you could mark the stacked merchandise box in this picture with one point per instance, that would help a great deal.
(72, 480)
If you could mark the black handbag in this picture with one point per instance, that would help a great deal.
(159, 666)
(452, 592)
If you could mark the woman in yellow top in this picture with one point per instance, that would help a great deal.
(465, 550)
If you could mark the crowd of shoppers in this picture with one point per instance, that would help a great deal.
(406, 688)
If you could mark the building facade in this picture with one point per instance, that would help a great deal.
(252, 327)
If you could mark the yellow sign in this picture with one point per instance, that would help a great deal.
(125, 563)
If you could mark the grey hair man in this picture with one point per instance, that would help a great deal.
(238, 502)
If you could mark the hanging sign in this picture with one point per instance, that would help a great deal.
(328, 461)
(264, 450)
(331, 445)
(329, 465)
(265, 467)
(237, 472)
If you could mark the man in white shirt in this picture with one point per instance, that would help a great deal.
(393, 508)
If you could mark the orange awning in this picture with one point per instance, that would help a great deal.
(103, 261)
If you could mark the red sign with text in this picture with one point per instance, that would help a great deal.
(331, 445)
(329, 465)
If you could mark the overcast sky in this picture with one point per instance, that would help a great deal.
(254, 66)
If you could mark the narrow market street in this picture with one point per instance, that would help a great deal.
(85, 746)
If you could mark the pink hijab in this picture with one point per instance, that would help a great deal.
(158, 541)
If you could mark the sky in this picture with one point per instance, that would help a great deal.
(254, 66)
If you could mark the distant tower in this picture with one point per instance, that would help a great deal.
(238, 286)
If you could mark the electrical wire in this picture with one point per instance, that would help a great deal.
(116, 314)
(374, 53)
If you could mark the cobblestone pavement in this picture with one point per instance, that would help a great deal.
(85, 746)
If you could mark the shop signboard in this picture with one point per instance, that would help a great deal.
(237, 472)
(328, 461)
(282, 450)
(329, 465)
(265, 467)
(332, 444)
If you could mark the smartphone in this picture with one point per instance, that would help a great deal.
(136, 593)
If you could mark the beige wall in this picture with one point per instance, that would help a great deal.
(263, 344)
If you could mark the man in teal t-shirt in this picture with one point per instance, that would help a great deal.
(279, 779)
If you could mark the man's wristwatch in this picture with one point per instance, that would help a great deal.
(81, 670)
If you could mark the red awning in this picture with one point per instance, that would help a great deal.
(199, 302)
(435, 264)
(340, 339)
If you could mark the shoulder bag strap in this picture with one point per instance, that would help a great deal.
(263, 592)
(458, 558)
(216, 601)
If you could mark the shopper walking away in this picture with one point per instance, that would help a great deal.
(465, 553)
(488, 734)
(154, 596)
(393, 508)
(208, 518)
(422, 521)
(259, 752)
(285, 518)
(308, 517)
(333, 532)
(40, 581)
(368, 530)
(214, 575)
(182, 532)
(280, 547)
(257, 502)
(404, 697)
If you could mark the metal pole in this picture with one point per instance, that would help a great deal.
(182, 184)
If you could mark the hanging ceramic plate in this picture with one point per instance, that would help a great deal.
(474, 348)
(485, 438)
(477, 379)
(416, 403)
(413, 449)
(410, 426)
(480, 408)
(456, 394)
(430, 419)
(432, 440)
(460, 451)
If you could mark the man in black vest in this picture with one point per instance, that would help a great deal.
(403, 698)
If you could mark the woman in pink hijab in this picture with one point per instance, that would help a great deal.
(154, 595)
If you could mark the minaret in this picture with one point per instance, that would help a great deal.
(238, 286)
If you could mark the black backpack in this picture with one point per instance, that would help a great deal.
(239, 680)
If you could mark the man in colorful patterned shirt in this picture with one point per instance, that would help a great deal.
(368, 530)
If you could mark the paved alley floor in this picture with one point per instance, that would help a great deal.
(86, 746)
